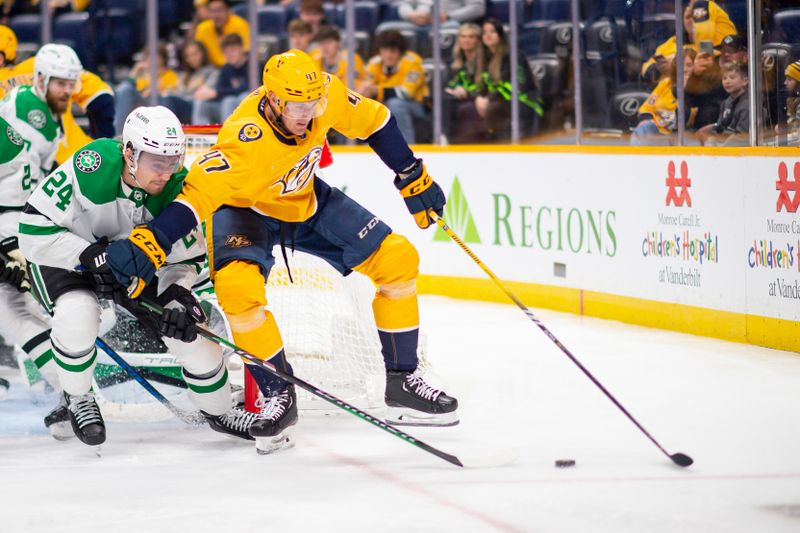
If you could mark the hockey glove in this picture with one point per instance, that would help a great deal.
(181, 313)
(93, 259)
(13, 267)
(420, 193)
(134, 260)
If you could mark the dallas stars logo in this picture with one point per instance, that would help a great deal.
(13, 136)
(36, 119)
(88, 161)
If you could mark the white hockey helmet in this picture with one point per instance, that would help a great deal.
(157, 131)
(57, 61)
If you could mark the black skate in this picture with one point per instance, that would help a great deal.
(87, 422)
(412, 402)
(235, 422)
(57, 421)
(273, 426)
(4, 385)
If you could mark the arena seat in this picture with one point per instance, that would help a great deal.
(76, 30)
(558, 10)
(366, 15)
(499, 9)
(27, 27)
(272, 20)
(786, 26)
(557, 39)
(623, 109)
(117, 35)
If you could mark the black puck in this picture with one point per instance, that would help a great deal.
(565, 463)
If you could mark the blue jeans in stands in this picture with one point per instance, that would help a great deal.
(404, 112)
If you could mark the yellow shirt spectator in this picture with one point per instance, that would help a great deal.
(168, 80)
(208, 34)
(407, 80)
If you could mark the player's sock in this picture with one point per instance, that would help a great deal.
(412, 401)
(272, 428)
(268, 383)
(87, 422)
(399, 348)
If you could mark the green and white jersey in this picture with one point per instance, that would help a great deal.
(32, 118)
(16, 182)
(85, 199)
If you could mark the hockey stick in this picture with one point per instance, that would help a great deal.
(247, 356)
(680, 459)
(192, 418)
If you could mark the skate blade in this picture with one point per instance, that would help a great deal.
(268, 445)
(98, 451)
(402, 416)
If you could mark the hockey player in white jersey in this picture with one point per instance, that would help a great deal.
(100, 195)
(35, 111)
(22, 321)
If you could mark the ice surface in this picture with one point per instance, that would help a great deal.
(734, 408)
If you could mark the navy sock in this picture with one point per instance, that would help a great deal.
(268, 383)
(399, 349)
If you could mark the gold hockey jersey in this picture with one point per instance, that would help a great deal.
(254, 165)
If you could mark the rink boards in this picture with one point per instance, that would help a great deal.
(701, 241)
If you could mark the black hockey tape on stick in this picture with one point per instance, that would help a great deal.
(341, 404)
(680, 459)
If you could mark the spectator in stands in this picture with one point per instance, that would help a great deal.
(196, 73)
(221, 22)
(702, 21)
(396, 78)
(792, 83)
(462, 122)
(733, 122)
(332, 58)
(733, 49)
(214, 105)
(313, 12)
(657, 115)
(494, 104)
(419, 13)
(300, 35)
(134, 91)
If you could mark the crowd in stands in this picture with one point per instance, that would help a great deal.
(203, 64)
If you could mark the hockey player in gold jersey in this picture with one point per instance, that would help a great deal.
(257, 187)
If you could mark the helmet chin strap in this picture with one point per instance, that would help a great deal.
(133, 168)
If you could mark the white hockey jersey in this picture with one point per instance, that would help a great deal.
(16, 182)
(85, 199)
(32, 118)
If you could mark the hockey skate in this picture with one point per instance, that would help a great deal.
(234, 423)
(57, 421)
(3, 388)
(87, 422)
(273, 426)
(412, 402)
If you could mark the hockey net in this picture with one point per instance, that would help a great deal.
(325, 319)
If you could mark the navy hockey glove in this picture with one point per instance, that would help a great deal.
(178, 321)
(420, 193)
(13, 269)
(93, 259)
(134, 260)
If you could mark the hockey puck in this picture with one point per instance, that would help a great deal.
(565, 463)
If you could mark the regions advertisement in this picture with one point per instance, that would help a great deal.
(653, 227)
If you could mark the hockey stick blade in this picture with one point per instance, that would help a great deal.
(341, 404)
(679, 459)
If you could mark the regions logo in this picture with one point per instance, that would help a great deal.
(674, 183)
(36, 119)
(785, 186)
(249, 132)
(237, 241)
(13, 136)
(88, 161)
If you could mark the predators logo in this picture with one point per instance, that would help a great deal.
(237, 241)
(249, 132)
(301, 173)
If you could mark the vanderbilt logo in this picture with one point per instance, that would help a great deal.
(301, 173)
(237, 241)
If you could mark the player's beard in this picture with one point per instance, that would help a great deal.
(58, 105)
